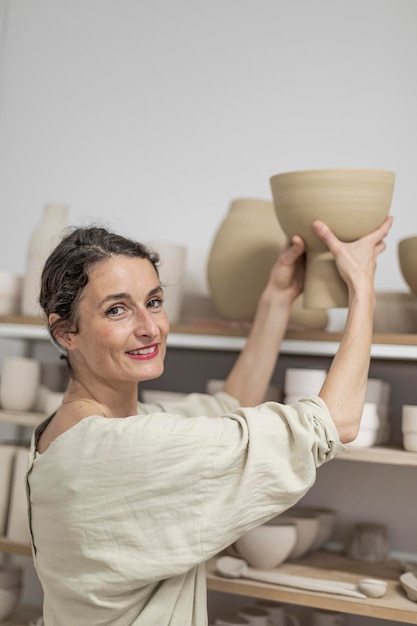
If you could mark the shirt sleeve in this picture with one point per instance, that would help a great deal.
(193, 405)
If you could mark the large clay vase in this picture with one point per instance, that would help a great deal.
(242, 254)
(352, 202)
(407, 256)
(44, 238)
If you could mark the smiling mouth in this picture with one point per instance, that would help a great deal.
(144, 353)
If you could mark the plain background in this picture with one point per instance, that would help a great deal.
(151, 117)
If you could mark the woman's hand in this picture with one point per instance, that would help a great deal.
(356, 260)
(287, 273)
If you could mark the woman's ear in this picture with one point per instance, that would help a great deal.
(60, 333)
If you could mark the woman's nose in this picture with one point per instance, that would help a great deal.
(146, 323)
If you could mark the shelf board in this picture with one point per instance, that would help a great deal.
(394, 605)
(20, 418)
(13, 547)
(231, 336)
(387, 455)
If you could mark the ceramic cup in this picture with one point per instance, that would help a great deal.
(369, 543)
(409, 427)
(320, 617)
(172, 268)
(19, 383)
(279, 615)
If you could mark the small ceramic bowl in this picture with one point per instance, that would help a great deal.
(308, 528)
(409, 584)
(301, 381)
(267, 546)
(327, 520)
(372, 587)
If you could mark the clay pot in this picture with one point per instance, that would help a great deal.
(242, 254)
(407, 255)
(352, 202)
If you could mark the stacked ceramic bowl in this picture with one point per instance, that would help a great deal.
(409, 427)
(375, 423)
(302, 382)
(266, 546)
(10, 590)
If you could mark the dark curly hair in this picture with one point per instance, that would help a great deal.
(66, 271)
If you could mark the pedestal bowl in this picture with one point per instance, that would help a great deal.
(352, 202)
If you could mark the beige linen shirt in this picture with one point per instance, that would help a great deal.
(125, 512)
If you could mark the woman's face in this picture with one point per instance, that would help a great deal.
(122, 325)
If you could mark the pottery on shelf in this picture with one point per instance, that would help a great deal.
(172, 269)
(407, 256)
(44, 238)
(242, 254)
(352, 202)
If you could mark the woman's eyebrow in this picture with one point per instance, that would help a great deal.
(126, 296)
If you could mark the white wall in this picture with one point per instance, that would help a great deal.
(153, 116)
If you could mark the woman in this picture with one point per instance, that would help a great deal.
(127, 501)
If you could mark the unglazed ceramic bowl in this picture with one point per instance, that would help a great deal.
(267, 546)
(407, 256)
(352, 202)
(409, 584)
(308, 528)
(327, 520)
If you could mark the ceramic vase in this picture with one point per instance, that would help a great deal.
(242, 254)
(352, 202)
(407, 256)
(172, 268)
(44, 238)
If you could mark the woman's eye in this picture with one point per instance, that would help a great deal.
(155, 303)
(115, 310)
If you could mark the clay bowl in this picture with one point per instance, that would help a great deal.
(407, 256)
(267, 546)
(327, 520)
(308, 527)
(409, 584)
(352, 202)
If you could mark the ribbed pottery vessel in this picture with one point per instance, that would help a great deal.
(243, 251)
(407, 256)
(352, 202)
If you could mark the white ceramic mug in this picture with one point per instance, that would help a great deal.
(409, 427)
(19, 383)
(279, 615)
(320, 617)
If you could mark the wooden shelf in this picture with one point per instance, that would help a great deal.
(13, 547)
(387, 455)
(231, 336)
(394, 605)
(20, 418)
